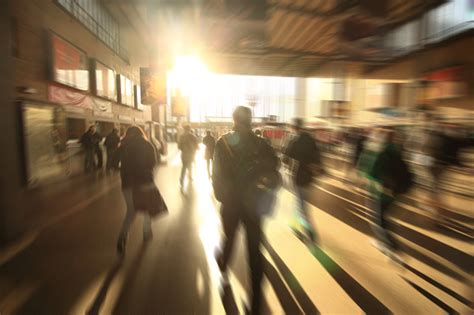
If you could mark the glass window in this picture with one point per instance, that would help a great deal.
(70, 65)
(105, 81)
(126, 91)
(96, 18)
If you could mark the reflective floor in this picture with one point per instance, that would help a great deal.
(70, 266)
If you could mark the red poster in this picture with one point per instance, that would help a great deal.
(69, 64)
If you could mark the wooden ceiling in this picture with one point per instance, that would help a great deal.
(298, 37)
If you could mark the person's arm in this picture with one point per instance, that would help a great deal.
(218, 171)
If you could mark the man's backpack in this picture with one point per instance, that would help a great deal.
(256, 175)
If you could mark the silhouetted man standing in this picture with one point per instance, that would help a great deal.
(90, 141)
(111, 143)
(210, 144)
(188, 146)
(245, 168)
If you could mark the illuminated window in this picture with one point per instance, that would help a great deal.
(96, 18)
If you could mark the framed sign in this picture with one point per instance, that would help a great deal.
(153, 86)
(125, 86)
(105, 84)
(44, 143)
(69, 64)
(179, 106)
(445, 83)
(138, 99)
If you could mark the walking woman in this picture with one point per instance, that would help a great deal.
(137, 163)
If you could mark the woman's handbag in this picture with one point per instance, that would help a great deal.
(147, 198)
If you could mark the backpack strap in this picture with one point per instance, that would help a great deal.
(227, 146)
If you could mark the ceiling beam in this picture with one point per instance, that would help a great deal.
(318, 65)
(340, 9)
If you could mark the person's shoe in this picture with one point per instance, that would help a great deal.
(121, 245)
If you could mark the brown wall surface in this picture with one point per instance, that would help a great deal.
(36, 17)
(452, 53)
(23, 25)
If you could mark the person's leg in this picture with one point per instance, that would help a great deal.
(108, 161)
(183, 173)
(190, 169)
(230, 222)
(208, 162)
(89, 160)
(303, 214)
(147, 232)
(381, 229)
(253, 227)
(86, 161)
(129, 216)
(98, 152)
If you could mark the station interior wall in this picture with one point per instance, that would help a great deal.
(23, 63)
(34, 18)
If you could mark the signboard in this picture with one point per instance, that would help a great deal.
(69, 64)
(138, 102)
(445, 83)
(69, 97)
(103, 114)
(101, 105)
(125, 118)
(125, 90)
(44, 138)
(153, 86)
(179, 106)
(105, 84)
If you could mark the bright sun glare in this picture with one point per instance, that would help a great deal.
(188, 74)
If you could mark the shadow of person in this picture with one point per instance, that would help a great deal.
(131, 276)
(102, 294)
(293, 284)
(228, 300)
(174, 277)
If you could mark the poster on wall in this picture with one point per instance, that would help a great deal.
(125, 90)
(153, 86)
(179, 106)
(105, 85)
(44, 139)
(69, 64)
(445, 83)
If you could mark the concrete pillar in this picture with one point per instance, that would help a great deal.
(11, 210)
(300, 102)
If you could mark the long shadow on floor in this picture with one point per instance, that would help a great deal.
(293, 284)
(102, 294)
(228, 300)
(174, 277)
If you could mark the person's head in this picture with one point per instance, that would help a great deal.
(242, 117)
(297, 124)
(115, 131)
(92, 129)
(258, 132)
(208, 132)
(187, 128)
(133, 132)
